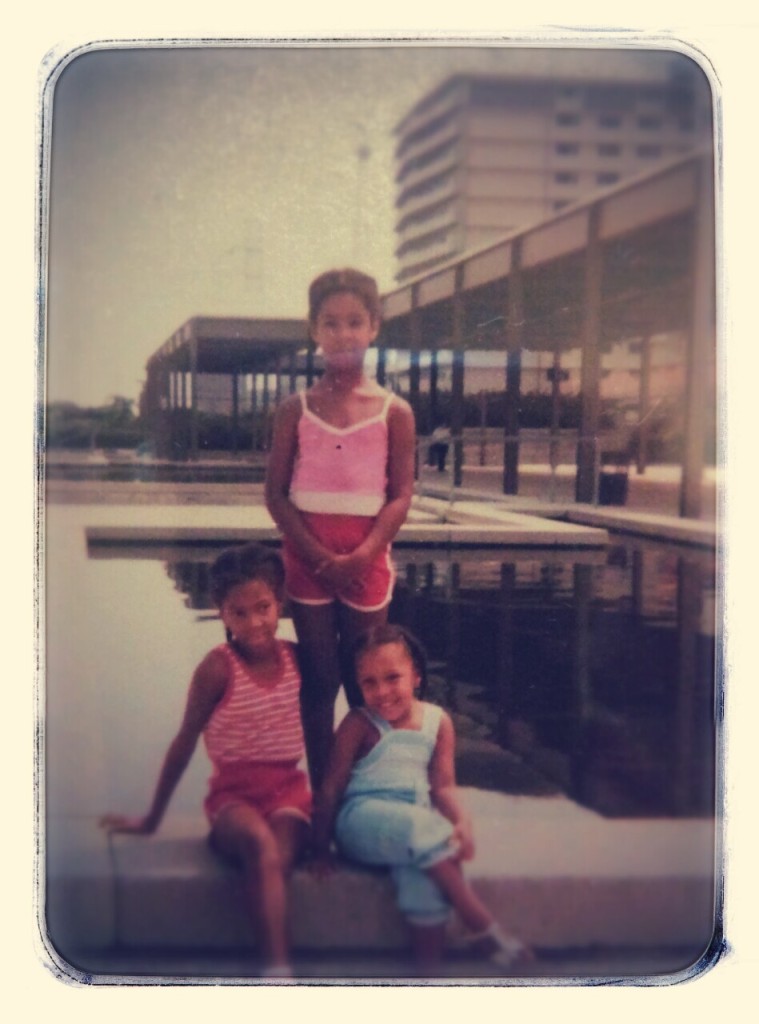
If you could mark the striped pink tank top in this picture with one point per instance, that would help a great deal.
(253, 722)
(341, 469)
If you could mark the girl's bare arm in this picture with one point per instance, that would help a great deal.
(350, 736)
(400, 471)
(443, 789)
(206, 690)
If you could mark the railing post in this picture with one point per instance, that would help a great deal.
(194, 398)
(587, 442)
(514, 341)
(457, 379)
(701, 337)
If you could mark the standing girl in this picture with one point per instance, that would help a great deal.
(244, 701)
(339, 483)
(390, 798)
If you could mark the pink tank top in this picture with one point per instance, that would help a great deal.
(253, 722)
(341, 469)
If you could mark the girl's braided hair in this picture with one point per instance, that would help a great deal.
(390, 633)
(243, 564)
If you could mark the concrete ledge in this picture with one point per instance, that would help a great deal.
(654, 525)
(80, 905)
(559, 876)
(647, 524)
(467, 524)
(526, 527)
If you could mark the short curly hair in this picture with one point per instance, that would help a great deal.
(332, 282)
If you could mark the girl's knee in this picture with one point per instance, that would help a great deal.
(252, 842)
(262, 853)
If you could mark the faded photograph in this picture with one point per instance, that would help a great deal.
(381, 488)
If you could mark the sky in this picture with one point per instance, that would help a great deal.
(219, 180)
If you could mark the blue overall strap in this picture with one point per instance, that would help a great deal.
(433, 715)
(379, 723)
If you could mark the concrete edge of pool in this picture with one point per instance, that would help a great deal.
(560, 876)
(468, 522)
(163, 524)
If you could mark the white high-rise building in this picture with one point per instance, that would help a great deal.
(481, 156)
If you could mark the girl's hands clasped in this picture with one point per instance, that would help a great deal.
(344, 572)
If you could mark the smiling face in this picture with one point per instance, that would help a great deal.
(344, 329)
(388, 679)
(251, 611)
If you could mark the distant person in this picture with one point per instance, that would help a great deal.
(244, 701)
(440, 440)
(390, 799)
(339, 484)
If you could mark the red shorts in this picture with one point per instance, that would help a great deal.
(341, 534)
(271, 787)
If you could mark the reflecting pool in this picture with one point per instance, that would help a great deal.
(587, 673)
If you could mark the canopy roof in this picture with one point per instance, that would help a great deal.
(645, 229)
(227, 345)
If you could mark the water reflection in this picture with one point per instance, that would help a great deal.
(589, 673)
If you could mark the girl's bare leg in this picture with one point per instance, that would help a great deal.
(471, 910)
(266, 853)
(317, 630)
(428, 944)
(505, 949)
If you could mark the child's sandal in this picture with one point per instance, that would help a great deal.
(500, 948)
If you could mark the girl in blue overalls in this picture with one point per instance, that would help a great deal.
(389, 798)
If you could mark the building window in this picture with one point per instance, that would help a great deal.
(607, 178)
(565, 118)
(648, 151)
(567, 148)
(424, 242)
(609, 149)
(424, 132)
(609, 120)
(565, 178)
(438, 181)
(430, 157)
(426, 214)
(649, 123)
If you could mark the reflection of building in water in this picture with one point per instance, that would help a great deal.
(590, 671)
(597, 671)
(192, 579)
